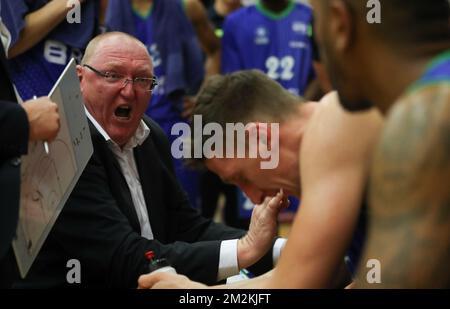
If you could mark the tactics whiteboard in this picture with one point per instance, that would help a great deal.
(47, 179)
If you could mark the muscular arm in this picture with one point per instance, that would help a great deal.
(102, 13)
(205, 33)
(333, 181)
(410, 198)
(38, 24)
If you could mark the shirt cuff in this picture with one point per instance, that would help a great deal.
(277, 248)
(228, 262)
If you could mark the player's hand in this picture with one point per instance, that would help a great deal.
(43, 119)
(164, 280)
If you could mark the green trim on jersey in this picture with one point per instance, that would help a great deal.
(436, 61)
(439, 59)
(143, 15)
(273, 15)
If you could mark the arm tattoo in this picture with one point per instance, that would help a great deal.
(409, 218)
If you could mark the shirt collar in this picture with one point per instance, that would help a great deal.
(138, 138)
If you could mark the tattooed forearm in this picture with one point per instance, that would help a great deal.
(409, 230)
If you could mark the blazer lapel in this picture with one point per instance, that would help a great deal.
(117, 182)
(6, 90)
(147, 162)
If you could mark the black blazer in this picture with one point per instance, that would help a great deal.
(13, 143)
(99, 226)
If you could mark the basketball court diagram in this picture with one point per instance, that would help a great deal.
(47, 179)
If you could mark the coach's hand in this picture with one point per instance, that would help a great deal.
(43, 119)
(262, 230)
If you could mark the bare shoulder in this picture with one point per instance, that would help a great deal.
(410, 192)
(341, 134)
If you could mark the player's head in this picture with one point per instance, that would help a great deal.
(232, 4)
(116, 78)
(350, 37)
(254, 102)
(244, 96)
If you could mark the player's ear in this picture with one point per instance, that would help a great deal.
(341, 25)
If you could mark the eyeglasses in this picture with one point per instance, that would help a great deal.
(142, 83)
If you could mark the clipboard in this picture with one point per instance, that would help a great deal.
(47, 179)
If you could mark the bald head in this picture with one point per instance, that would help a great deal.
(114, 38)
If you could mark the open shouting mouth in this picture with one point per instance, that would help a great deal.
(123, 112)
